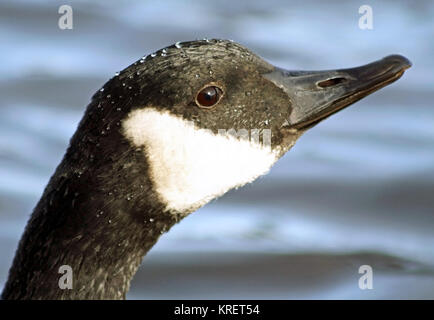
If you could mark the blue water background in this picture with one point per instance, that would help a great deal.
(357, 189)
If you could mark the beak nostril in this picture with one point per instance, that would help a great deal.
(330, 82)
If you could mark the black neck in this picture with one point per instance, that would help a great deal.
(97, 215)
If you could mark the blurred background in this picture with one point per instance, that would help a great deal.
(356, 190)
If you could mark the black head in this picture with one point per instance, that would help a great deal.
(221, 85)
(223, 88)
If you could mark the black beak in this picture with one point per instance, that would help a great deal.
(315, 95)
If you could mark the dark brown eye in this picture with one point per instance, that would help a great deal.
(209, 96)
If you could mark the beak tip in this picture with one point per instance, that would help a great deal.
(402, 61)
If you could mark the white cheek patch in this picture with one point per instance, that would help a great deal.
(190, 166)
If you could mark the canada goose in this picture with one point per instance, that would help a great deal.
(156, 144)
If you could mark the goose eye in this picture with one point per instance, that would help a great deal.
(209, 96)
